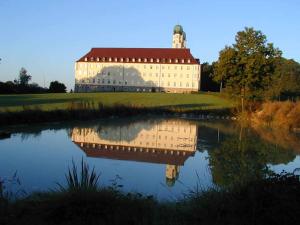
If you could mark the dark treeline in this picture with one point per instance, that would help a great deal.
(21, 85)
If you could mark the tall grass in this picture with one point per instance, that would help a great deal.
(81, 180)
(272, 200)
(281, 115)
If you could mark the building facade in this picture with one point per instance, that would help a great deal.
(170, 142)
(140, 69)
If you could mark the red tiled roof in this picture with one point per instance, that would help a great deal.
(157, 157)
(129, 55)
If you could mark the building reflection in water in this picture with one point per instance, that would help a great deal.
(169, 142)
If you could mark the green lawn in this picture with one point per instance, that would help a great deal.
(62, 101)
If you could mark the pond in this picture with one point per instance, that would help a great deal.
(163, 157)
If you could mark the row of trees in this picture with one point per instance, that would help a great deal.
(22, 86)
(252, 69)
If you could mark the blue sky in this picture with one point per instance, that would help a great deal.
(48, 36)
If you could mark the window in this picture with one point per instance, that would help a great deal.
(188, 67)
(114, 82)
(108, 81)
(174, 84)
(187, 84)
(103, 81)
(187, 76)
(175, 67)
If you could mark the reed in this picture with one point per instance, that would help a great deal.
(82, 179)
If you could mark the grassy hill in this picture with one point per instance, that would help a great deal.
(185, 102)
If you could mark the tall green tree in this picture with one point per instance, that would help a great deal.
(24, 77)
(246, 68)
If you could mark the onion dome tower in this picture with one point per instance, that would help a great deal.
(179, 37)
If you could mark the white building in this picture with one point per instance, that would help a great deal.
(140, 69)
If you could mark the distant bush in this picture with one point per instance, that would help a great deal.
(57, 87)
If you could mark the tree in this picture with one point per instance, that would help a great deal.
(247, 67)
(57, 87)
(24, 78)
(207, 82)
(287, 82)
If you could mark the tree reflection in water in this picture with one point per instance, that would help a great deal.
(245, 157)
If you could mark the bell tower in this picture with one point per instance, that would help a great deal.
(179, 37)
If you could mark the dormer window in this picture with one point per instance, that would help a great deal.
(109, 59)
(127, 59)
(182, 60)
(116, 59)
(103, 59)
(145, 59)
(151, 60)
(163, 60)
(85, 59)
(189, 61)
(97, 59)
(157, 60)
(176, 60)
(121, 59)
(133, 59)
(170, 60)
(92, 58)
(139, 60)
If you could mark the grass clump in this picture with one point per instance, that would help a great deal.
(80, 180)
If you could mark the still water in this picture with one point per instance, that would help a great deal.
(161, 157)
